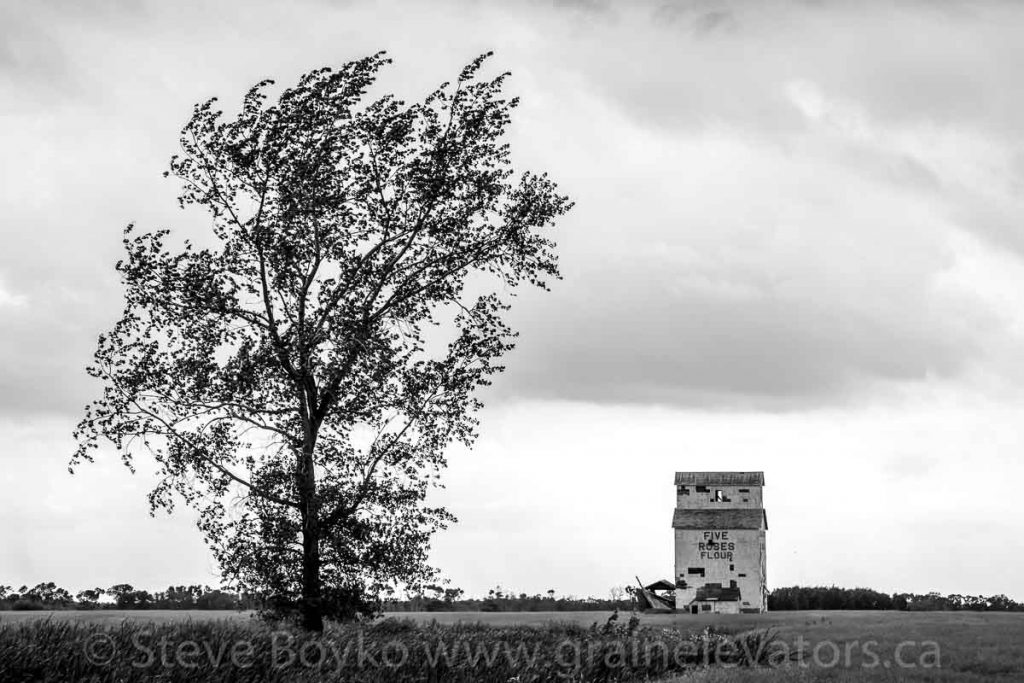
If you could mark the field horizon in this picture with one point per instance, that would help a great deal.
(779, 619)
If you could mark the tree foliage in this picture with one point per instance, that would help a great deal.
(299, 378)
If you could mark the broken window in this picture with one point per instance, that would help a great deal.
(695, 571)
(683, 490)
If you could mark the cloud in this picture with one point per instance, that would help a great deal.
(10, 300)
(775, 219)
(767, 212)
(738, 272)
(813, 207)
(942, 62)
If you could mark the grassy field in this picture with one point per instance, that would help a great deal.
(971, 646)
(116, 616)
(844, 646)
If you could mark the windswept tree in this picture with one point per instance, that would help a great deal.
(299, 373)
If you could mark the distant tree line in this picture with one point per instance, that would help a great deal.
(49, 596)
(439, 599)
(835, 598)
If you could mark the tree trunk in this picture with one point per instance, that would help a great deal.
(311, 608)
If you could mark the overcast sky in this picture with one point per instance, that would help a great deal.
(797, 248)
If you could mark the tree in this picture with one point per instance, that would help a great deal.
(47, 593)
(90, 596)
(124, 594)
(299, 379)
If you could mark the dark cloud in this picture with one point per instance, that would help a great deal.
(719, 20)
(627, 334)
(905, 63)
(701, 16)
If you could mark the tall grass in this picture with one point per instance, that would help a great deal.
(391, 650)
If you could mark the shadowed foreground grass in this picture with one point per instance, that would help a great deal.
(390, 650)
(521, 647)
